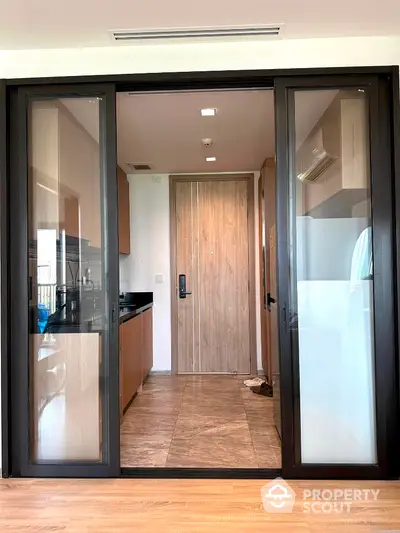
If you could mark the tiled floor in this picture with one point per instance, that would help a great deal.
(199, 421)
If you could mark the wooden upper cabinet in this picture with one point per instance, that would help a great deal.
(124, 233)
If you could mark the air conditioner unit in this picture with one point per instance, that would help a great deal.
(316, 154)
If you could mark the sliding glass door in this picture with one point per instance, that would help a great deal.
(335, 256)
(64, 287)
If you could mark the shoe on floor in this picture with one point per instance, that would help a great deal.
(254, 382)
(265, 389)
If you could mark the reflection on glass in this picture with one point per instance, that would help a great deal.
(67, 298)
(332, 276)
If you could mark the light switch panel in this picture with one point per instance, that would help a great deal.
(159, 278)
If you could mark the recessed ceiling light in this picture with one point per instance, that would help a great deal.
(211, 159)
(208, 112)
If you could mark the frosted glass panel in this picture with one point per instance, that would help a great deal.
(332, 277)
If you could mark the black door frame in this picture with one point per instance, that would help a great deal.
(19, 320)
(4, 295)
(176, 82)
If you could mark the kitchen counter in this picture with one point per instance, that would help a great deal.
(135, 343)
(126, 313)
(133, 304)
(90, 326)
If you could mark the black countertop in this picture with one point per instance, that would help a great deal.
(137, 304)
(126, 313)
(97, 326)
(133, 304)
(90, 326)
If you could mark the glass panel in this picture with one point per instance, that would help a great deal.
(332, 276)
(67, 296)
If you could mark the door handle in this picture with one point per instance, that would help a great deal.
(270, 300)
(182, 286)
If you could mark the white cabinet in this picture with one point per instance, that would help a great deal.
(79, 167)
(65, 173)
(343, 184)
(44, 179)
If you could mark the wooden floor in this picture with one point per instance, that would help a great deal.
(199, 421)
(182, 506)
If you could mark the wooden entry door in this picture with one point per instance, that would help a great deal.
(212, 234)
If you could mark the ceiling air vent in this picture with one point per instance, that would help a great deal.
(197, 33)
(139, 166)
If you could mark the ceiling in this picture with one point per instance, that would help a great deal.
(166, 130)
(77, 23)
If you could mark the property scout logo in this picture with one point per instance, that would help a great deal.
(279, 497)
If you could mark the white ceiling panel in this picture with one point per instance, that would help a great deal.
(166, 130)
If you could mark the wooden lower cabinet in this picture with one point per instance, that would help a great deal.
(147, 342)
(136, 354)
(130, 362)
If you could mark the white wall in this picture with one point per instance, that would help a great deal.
(149, 207)
(270, 54)
(150, 255)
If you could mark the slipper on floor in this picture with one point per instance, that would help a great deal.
(265, 389)
(254, 382)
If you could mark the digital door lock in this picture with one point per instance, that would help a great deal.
(182, 286)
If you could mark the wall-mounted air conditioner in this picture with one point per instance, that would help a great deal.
(316, 154)
(332, 159)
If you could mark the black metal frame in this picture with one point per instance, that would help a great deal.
(201, 473)
(180, 82)
(4, 297)
(19, 323)
(395, 142)
(382, 174)
(203, 80)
